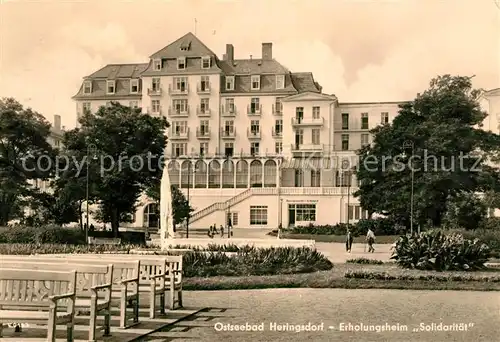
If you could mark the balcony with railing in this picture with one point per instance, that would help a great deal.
(174, 90)
(203, 132)
(228, 111)
(228, 133)
(308, 148)
(203, 88)
(177, 133)
(203, 111)
(307, 121)
(277, 133)
(154, 111)
(254, 110)
(278, 110)
(154, 91)
(253, 134)
(178, 112)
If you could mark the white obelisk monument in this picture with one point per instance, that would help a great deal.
(166, 217)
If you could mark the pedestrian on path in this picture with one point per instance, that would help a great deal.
(370, 239)
(348, 241)
(221, 231)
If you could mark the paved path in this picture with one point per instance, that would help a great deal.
(332, 307)
(337, 254)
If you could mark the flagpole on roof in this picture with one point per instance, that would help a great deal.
(195, 22)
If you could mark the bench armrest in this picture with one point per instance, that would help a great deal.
(130, 280)
(158, 276)
(55, 298)
(101, 287)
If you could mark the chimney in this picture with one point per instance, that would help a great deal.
(229, 52)
(57, 122)
(267, 51)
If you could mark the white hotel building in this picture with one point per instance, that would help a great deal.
(251, 139)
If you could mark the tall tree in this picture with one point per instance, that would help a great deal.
(129, 148)
(181, 208)
(25, 155)
(450, 154)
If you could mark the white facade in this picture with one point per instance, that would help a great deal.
(246, 136)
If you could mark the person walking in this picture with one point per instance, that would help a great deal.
(348, 241)
(221, 231)
(370, 239)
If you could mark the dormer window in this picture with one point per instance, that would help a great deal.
(280, 81)
(229, 82)
(157, 64)
(181, 63)
(110, 87)
(255, 82)
(87, 87)
(205, 62)
(186, 46)
(134, 86)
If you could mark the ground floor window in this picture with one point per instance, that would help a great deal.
(234, 219)
(355, 212)
(258, 215)
(151, 216)
(301, 212)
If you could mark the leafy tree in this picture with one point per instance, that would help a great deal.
(124, 139)
(23, 140)
(181, 208)
(443, 124)
(467, 210)
(54, 208)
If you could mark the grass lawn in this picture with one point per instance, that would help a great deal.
(382, 239)
(482, 281)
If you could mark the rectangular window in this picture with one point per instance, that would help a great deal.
(180, 106)
(234, 219)
(280, 81)
(228, 149)
(299, 114)
(179, 149)
(133, 104)
(278, 127)
(364, 120)
(205, 83)
(180, 83)
(155, 84)
(254, 148)
(316, 112)
(229, 82)
(110, 87)
(255, 82)
(299, 178)
(157, 64)
(278, 147)
(315, 178)
(205, 62)
(255, 105)
(204, 128)
(299, 137)
(258, 215)
(315, 139)
(179, 127)
(86, 107)
(345, 142)
(87, 87)
(181, 63)
(155, 106)
(255, 127)
(205, 105)
(345, 120)
(134, 86)
(229, 126)
(230, 105)
(384, 118)
(355, 212)
(278, 106)
(303, 212)
(365, 139)
(203, 148)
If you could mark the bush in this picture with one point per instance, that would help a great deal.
(412, 277)
(364, 261)
(434, 250)
(491, 223)
(491, 237)
(215, 247)
(380, 226)
(43, 234)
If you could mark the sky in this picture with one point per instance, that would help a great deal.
(361, 51)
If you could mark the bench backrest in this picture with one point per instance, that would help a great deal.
(34, 288)
(175, 264)
(87, 275)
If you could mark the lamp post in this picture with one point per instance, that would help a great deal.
(91, 148)
(410, 144)
(229, 219)
(345, 165)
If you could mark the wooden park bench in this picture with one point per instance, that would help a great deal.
(91, 282)
(36, 297)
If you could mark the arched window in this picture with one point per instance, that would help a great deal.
(256, 174)
(270, 169)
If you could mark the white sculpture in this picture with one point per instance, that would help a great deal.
(166, 216)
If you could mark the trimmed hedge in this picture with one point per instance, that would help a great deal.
(364, 261)
(380, 226)
(352, 274)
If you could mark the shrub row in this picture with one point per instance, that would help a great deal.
(380, 226)
(215, 247)
(364, 261)
(435, 250)
(427, 277)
